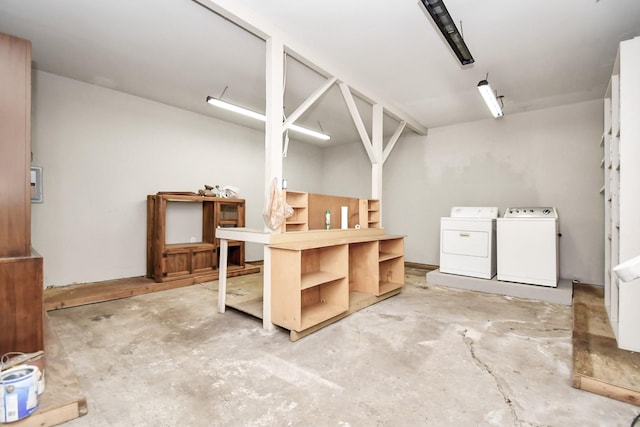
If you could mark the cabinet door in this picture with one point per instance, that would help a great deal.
(21, 311)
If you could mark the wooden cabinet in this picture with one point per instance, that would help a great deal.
(21, 305)
(621, 191)
(314, 281)
(182, 260)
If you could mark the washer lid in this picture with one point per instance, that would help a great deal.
(474, 212)
(531, 212)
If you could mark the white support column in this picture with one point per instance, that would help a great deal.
(273, 127)
(377, 143)
(272, 150)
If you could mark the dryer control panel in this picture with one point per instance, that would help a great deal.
(474, 212)
(531, 212)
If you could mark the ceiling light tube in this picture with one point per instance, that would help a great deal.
(257, 116)
(310, 132)
(490, 99)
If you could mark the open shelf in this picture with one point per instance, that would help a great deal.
(318, 313)
(385, 256)
(319, 277)
(388, 287)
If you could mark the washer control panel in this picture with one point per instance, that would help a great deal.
(531, 212)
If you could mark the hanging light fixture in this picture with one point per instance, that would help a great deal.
(443, 20)
(490, 98)
(257, 116)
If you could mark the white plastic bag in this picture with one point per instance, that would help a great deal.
(276, 210)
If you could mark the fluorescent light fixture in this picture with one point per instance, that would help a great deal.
(490, 99)
(257, 116)
(440, 15)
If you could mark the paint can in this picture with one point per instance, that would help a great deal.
(18, 392)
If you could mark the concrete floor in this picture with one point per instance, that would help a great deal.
(431, 356)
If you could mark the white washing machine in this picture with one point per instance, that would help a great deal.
(528, 246)
(468, 242)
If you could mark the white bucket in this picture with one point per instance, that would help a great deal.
(18, 393)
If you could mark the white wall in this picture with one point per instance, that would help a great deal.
(103, 151)
(541, 158)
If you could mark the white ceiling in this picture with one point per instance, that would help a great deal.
(538, 54)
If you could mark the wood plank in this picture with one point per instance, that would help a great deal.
(357, 301)
(89, 293)
(245, 295)
(599, 366)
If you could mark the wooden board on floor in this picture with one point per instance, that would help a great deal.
(357, 301)
(599, 366)
(89, 293)
(245, 294)
(62, 399)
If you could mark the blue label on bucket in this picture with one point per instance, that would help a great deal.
(18, 393)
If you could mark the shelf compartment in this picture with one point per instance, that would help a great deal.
(297, 199)
(391, 274)
(391, 265)
(391, 248)
(318, 313)
(385, 256)
(388, 287)
(363, 267)
(318, 278)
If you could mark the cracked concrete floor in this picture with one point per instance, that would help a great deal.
(431, 356)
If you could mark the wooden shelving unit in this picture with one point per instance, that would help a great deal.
(369, 213)
(183, 260)
(309, 211)
(316, 281)
(299, 201)
(391, 264)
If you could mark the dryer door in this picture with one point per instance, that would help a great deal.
(463, 242)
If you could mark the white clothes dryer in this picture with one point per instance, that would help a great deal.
(468, 242)
(528, 246)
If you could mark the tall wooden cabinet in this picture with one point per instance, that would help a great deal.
(21, 305)
(621, 191)
(184, 260)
